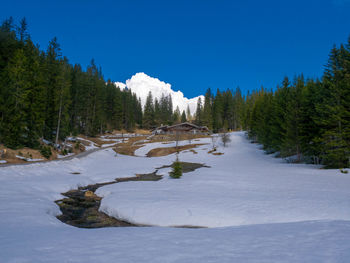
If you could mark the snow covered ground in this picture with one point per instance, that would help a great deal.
(242, 187)
(260, 210)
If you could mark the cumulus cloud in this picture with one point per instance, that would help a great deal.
(142, 84)
(121, 85)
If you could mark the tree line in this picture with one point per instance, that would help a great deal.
(306, 118)
(160, 112)
(42, 95)
(220, 111)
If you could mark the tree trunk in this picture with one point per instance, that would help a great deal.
(59, 121)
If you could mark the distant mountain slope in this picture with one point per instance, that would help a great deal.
(142, 84)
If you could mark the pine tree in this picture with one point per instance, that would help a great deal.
(292, 136)
(62, 100)
(335, 110)
(169, 109)
(188, 113)
(177, 115)
(14, 130)
(199, 112)
(309, 130)
(207, 110)
(148, 120)
(237, 109)
(183, 117)
(35, 99)
(218, 111)
(176, 172)
(157, 113)
(22, 30)
(53, 55)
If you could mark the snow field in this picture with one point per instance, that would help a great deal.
(242, 187)
(273, 211)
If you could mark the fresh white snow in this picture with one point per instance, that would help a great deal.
(260, 210)
(142, 84)
(242, 187)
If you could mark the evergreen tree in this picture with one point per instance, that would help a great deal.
(237, 110)
(14, 129)
(157, 113)
(183, 117)
(148, 120)
(292, 136)
(207, 110)
(62, 100)
(218, 111)
(188, 113)
(199, 112)
(22, 30)
(335, 109)
(177, 115)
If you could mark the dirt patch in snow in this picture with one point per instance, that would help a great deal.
(130, 146)
(170, 150)
(21, 155)
(127, 150)
(214, 152)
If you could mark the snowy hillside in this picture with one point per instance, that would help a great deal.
(257, 207)
(142, 84)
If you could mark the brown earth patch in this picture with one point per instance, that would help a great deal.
(214, 152)
(170, 150)
(143, 132)
(127, 150)
(9, 155)
(130, 146)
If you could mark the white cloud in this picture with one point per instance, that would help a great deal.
(142, 84)
(121, 85)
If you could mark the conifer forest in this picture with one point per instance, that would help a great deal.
(43, 96)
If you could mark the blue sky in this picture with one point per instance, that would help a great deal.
(192, 45)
